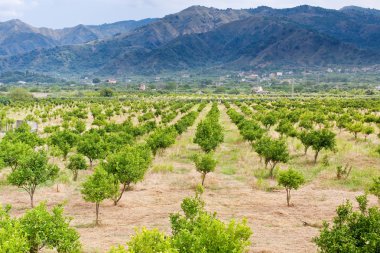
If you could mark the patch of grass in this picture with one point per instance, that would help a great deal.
(228, 170)
(162, 168)
(358, 180)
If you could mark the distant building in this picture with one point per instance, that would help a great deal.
(378, 88)
(21, 82)
(142, 87)
(279, 74)
(111, 81)
(259, 90)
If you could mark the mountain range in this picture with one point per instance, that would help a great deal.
(199, 38)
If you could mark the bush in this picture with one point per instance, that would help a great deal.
(352, 231)
(193, 231)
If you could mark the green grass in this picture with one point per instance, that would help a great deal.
(162, 168)
(359, 179)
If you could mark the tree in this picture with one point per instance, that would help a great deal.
(367, 130)
(290, 179)
(97, 188)
(12, 153)
(199, 231)
(355, 128)
(12, 237)
(322, 139)
(162, 138)
(269, 120)
(273, 151)
(106, 92)
(147, 241)
(351, 231)
(33, 171)
(64, 140)
(375, 188)
(209, 135)
(23, 134)
(205, 164)
(50, 230)
(92, 146)
(193, 231)
(96, 80)
(128, 166)
(285, 127)
(306, 139)
(76, 163)
(20, 94)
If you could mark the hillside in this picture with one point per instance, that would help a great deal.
(17, 37)
(200, 37)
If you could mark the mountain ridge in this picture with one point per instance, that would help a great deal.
(202, 37)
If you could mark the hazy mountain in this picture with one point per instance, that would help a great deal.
(17, 37)
(200, 37)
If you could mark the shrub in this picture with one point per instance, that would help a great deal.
(351, 231)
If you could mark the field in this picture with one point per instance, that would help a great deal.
(240, 187)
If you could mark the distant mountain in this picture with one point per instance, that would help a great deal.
(17, 37)
(200, 37)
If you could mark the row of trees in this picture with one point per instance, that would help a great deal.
(209, 135)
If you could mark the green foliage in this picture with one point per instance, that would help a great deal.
(23, 134)
(147, 241)
(273, 151)
(33, 171)
(351, 231)
(290, 179)
(92, 145)
(199, 231)
(355, 128)
(128, 166)
(64, 140)
(193, 231)
(20, 94)
(162, 138)
(12, 153)
(12, 237)
(375, 188)
(99, 187)
(209, 132)
(322, 139)
(106, 92)
(50, 230)
(76, 163)
(205, 164)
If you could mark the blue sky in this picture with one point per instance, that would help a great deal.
(65, 13)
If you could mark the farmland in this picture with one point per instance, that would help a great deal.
(171, 141)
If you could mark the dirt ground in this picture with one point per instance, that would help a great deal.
(276, 227)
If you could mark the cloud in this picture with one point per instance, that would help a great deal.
(14, 8)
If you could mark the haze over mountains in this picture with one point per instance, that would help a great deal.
(199, 37)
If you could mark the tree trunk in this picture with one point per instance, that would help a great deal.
(75, 175)
(306, 148)
(316, 157)
(31, 199)
(272, 169)
(203, 178)
(97, 214)
(121, 194)
(91, 164)
(288, 196)
(57, 187)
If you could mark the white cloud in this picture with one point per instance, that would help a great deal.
(14, 8)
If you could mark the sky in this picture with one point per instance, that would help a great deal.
(67, 13)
